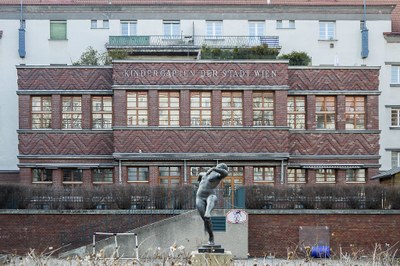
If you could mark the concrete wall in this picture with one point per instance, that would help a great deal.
(183, 230)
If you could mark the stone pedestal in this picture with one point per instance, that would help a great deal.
(211, 249)
(211, 259)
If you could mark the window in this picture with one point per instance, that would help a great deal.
(296, 108)
(138, 174)
(137, 108)
(172, 29)
(195, 171)
(256, 28)
(325, 112)
(326, 176)
(169, 175)
(58, 29)
(355, 112)
(72, 175)
(285, 24)
(168, 108)
(94, 24)
(200, 108)
(279, 24)
(214, 29)
(42, 175)
(326, 30)
(296, 175)
(263, 109)
(395, 117)
(102, 175)
(395, 159)
(264, 174)
(41, 112)
(395, 75)
(102, 112)
(128, 28)
(72, 112)
(355, 175)
(232, 109)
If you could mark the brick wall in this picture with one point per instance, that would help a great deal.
(275, 232)
(272, 231)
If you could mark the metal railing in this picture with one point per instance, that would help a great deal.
(193, 42)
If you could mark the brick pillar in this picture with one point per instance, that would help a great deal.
(86, 112)
(119, 108)
(310, 115)
(25, 175)
(216, 119)
(340, 112)
(247, 108)
(248, 175)
(153, 108)
(311, 176)
(24, 111)
(280, 108)
(341, 176)
(57, 178)
(56, 112)
(184, 105)
(87, 177)
(153, 175)
(372, 112)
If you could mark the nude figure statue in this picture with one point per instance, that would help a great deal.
(206, 195)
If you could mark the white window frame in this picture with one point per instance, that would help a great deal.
(256, 28)
(325, 32)
(395, 158)
(395, 74)
(214, 28)
(131, 29)
(395, 112)
(172, 29)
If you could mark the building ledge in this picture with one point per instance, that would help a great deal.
(392, 37)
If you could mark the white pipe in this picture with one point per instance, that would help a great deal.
(119, 172)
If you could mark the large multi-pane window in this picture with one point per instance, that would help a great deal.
(232, 109)
(58, 30)
(355, 112)
(264, 174)
(128, 28)
(102, 112)
(395, 117)
(326, 176)
(263, 108)
(137, 109)
(395, 159)
(327, 30)
(172, 29)
(355, 175)
(256, 28)
(169, 175)
(168, 105)
(296, 175)
(195, 171)
(71, 175)
(200, 108)
(138, 174)
(395, 75)
(42, 175)
(325, 112)
(41, 112)
(102, 175)
(71, 112)
(214, 29)
(296, 108)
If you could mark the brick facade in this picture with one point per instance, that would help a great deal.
(244, 146)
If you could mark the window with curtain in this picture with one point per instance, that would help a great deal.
(296, 112)
(355, 112)
(172, 29)
(200, 108)
(58, 30)
(327, 30)
(41, 112)
(232, 108)
(137, 114)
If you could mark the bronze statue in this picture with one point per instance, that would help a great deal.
(206, 195)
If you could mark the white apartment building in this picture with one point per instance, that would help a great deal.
(57, 33)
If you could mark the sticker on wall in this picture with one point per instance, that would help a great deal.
(236, 216)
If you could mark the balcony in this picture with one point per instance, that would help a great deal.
(160, 43)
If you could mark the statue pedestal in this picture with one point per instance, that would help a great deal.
(211, 249)
(211, 259)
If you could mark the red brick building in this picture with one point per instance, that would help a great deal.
(161, 122)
